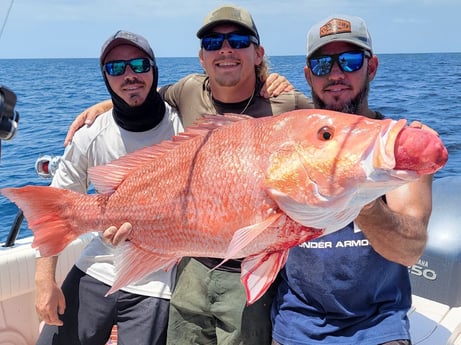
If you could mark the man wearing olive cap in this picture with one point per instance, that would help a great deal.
(208, 305)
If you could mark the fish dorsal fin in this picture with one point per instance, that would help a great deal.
(106, 178)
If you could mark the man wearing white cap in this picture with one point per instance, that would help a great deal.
(352, 287)
(79, 312)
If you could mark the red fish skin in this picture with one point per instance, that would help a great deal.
(210, 192)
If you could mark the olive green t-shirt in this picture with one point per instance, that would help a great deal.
(192, 97)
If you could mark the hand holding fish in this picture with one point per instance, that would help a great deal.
(418, 124)
(115, 236)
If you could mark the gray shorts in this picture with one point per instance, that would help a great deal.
(89, 316)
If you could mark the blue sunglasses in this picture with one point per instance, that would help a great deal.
(348, 62)
(215, 40)
(138, 65)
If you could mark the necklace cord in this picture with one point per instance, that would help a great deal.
(244, 109)
(249, 101)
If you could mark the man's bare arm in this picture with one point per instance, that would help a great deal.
(49, 299)
(397, 229)
(275, 84)
(87, 117)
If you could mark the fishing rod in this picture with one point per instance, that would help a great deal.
(6, 18)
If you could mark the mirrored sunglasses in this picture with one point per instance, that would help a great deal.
(214, 41)
(348, 62)
(138, 65)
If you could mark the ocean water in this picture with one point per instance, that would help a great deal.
(52, 92)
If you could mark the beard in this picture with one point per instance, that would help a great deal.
(351, 107)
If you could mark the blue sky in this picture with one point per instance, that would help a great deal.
(77, 28)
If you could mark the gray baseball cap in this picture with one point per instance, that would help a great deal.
(339, 28)
(122, 37)
(228, 14)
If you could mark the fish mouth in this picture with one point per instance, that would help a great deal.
(381, 162)
(384, 150)
(406, 153)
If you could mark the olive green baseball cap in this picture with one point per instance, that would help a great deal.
(228, 14)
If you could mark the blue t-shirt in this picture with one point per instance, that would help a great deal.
(338, 290)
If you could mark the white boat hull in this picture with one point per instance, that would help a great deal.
(19, 324)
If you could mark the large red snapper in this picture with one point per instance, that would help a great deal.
(235, 187)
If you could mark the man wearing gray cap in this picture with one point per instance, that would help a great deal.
(138, 119)
(352, 287)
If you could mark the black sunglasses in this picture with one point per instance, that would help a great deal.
(215, 40)
(138, 65)
(348, 62)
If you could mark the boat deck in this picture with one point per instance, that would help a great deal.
(433, 323)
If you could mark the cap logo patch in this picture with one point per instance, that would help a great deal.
(335, 26)
(126, 35)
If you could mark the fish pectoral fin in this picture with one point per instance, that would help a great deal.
(332, 216)
(133, 263)
(260, 271)
(244, 236)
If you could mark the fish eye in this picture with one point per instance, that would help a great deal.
(325, 133)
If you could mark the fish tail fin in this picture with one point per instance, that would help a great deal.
(43, 209)
(132, 263)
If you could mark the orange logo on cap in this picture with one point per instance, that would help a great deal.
(335, 26)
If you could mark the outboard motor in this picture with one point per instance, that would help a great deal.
(437, 275)
(435, 317)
